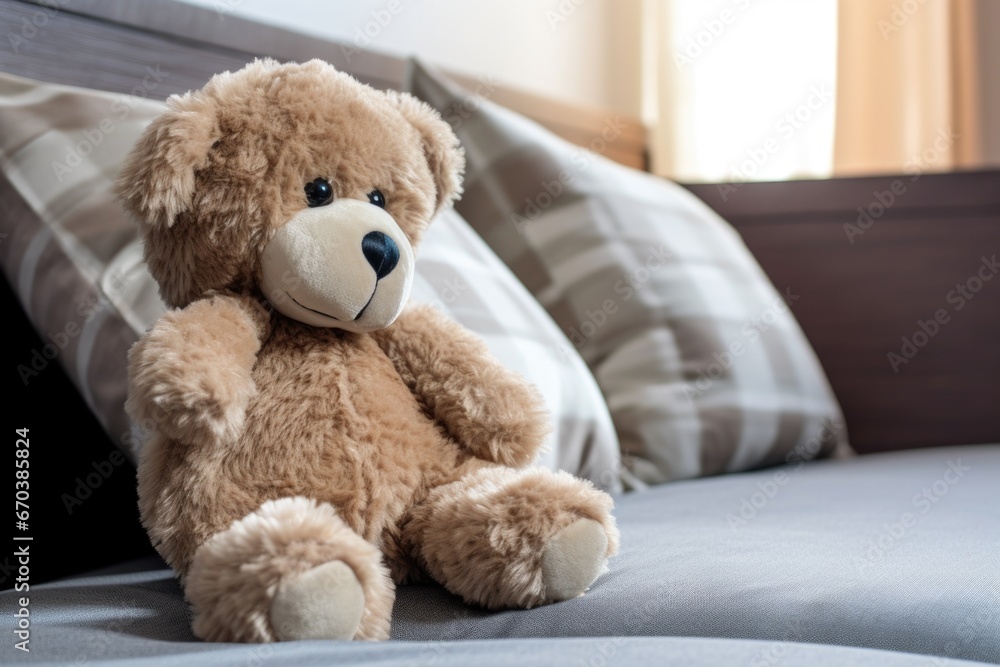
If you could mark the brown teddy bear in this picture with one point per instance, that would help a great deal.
(314, 443)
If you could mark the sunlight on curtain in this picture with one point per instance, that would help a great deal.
(739, 90)
(909, 93)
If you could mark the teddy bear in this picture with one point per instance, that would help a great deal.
(314, 441)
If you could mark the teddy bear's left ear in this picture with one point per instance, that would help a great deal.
(444, 153)
(157, 181)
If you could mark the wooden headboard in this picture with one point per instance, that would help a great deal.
(108, 44)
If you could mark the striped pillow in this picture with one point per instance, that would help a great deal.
(700, 358)
(76, 264)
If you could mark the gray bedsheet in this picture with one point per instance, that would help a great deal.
(897, 551)
(597, 652)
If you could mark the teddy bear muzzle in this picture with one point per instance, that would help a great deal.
(346, 265)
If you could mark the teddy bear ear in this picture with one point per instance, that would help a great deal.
(442, 149)
(157, 181)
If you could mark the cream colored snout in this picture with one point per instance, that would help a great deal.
(346, 265)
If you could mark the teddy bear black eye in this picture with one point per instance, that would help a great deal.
(376, 197)
(319, 193)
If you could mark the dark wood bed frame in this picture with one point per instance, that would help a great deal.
(868, 278)
(863, 285)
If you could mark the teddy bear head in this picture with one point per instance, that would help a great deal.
(295, 182)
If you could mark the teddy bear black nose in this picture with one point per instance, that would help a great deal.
(381, 252)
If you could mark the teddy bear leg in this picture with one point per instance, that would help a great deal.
(291, 570)
(501, 537)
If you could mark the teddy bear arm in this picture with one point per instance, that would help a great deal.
(488, 409)
(190, 374)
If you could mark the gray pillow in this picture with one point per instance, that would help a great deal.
(699, 356)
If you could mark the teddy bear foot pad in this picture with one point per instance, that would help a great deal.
(325, 602)
(574, 559)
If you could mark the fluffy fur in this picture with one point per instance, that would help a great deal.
(278, 447)
(237, 571)
(487, 532)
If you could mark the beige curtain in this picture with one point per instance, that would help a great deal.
(907, 86)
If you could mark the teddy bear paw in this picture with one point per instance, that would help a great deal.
(326, 602)
(574, 558)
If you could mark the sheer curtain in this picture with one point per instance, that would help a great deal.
(908, 86)
(738, 90)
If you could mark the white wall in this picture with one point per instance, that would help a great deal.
(582, 51)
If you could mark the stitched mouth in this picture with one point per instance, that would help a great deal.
(365, 307)
(313, 310)
(320, 312)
